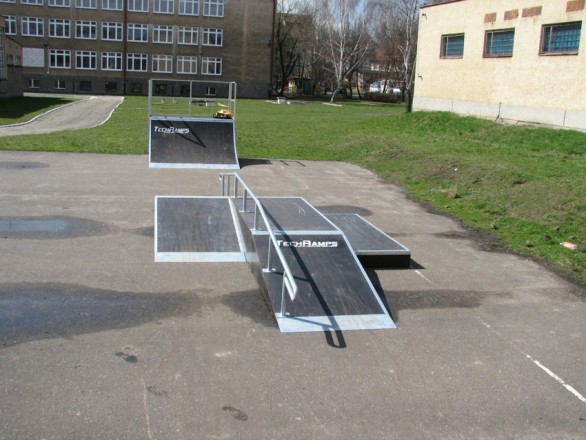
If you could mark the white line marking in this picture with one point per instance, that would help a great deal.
(422, 276)
(557, 378)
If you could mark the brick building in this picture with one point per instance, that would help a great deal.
(115, 46)
(511, 60)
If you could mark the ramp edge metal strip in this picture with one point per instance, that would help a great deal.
(200, 257)
(299, 324)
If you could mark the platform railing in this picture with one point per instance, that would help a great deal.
(230, 184)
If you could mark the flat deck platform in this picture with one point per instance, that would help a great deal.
(373, 247)
(196, 229)
(189, 142)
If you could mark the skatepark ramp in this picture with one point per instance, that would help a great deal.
(192, 124)
(295, 249)
(307, 268)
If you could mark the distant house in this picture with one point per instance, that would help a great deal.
(511, 60)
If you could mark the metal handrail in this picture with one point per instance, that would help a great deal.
(289, 283)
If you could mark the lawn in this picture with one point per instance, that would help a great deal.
(18, 110)
(525, 186)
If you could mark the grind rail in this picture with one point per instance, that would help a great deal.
(230, 185)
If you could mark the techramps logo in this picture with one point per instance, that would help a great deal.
(171, 130)
(308, 244)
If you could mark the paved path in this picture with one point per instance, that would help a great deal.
(88, 112)
(97, 341)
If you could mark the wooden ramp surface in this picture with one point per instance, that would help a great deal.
(189, 142)
(196, 229)
(373, 247)
(334, 291)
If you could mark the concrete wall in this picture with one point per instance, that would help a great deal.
(527, 86)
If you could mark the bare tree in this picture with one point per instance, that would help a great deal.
(291, 26)
(342, 37)
(408, 12)
(395, 32)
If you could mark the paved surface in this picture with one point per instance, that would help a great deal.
(98, 341)
(88, 112)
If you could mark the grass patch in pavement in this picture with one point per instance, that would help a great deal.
(523, 185)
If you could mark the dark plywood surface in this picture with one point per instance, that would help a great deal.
(195, 224)
(294, 214)
(330, 280)
(363, 236)
(192, 141)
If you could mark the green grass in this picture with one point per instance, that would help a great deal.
(17, 110)
(524, 185)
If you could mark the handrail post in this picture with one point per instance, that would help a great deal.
(269, 255)
(283, 306)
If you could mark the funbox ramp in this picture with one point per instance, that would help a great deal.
(192, 142)
(333, 289)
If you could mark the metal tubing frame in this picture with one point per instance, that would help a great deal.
(289, 283)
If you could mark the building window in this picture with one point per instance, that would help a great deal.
(136, 88)
(3, 73)
(86, 60)
(189, 7)
(85, 86)
(212, 37)
(186, 65)
(86, 4)
(32, 2)
(85, 30)
(452, 46)
(32, 27)
(213, 8)
(137, 62)
(112, 31)
(10, 21)
(187, 35)
(499, 43)
(162, 34)
(211, 66)
(60, 3)
(59, 28)
(111, 61)
(561, 39)
(60, 59)
(34, 84)
(112, 5)
(138, 32)
(164, 7)
(163, 63)
(7, 1)
(138, 5)
(210, 91)
(111, 86)
(59, 84)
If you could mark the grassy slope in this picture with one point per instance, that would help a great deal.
(524, 185)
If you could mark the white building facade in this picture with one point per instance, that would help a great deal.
(508, 60)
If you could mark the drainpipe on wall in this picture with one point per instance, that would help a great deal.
(272, 51)
(124, 46)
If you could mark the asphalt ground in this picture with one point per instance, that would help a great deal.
(97, 341)
(87, 112)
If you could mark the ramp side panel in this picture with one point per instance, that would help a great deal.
(330, 279)
(195, 229)
(180, 142)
